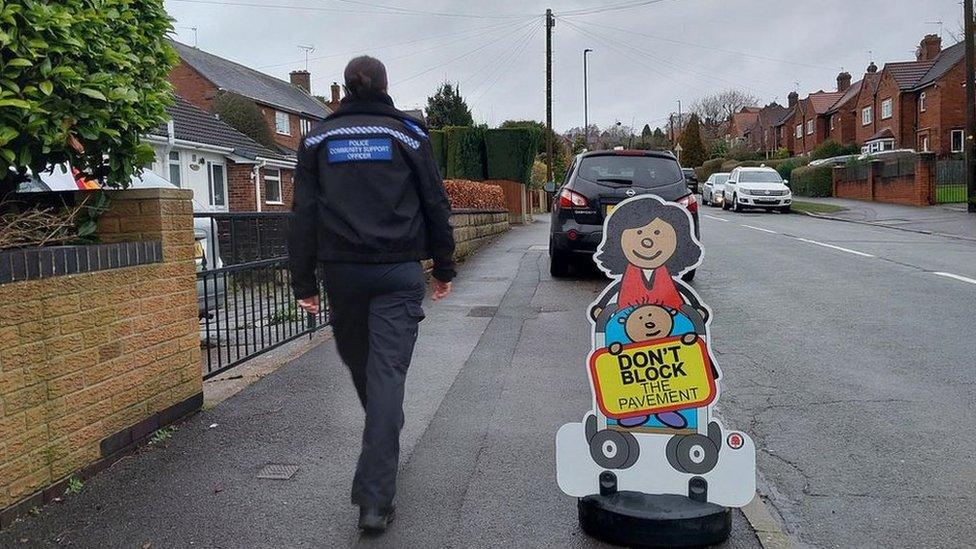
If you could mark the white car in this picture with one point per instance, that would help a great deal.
(757, 188)
(713, 189)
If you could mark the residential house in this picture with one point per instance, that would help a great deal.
(225, 169)
(841, 117)
(336, 99)
(810, 121)
(741, 122)
(783, 128)
(940, 98)
(761, 136)
(890, 118)
(288, 107)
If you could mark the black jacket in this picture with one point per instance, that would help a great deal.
(367, 190)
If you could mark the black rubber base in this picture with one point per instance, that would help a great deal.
(641, 520)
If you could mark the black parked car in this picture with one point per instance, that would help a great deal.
(691, 178)
(595, 183)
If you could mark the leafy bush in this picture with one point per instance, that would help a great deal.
(471, 195)
(812, 181)
(80, 82)
(729, 165)
(781, 154)
(465, 152)
(438, 142)
(539, 170)
(831, 148)
(786, 167)
(511, 153)
(710, 167)
(245, 116)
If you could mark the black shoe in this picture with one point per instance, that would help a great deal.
(374, 520)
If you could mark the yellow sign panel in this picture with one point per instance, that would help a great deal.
(646, 379)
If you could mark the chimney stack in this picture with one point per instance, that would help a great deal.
(335, 99)
(929, 48)
(872, 68)
(843, 81)
(302, 79)
(793, 99)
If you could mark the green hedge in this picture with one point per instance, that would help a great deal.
(465, 153)
(710, 167)
(786, 166)
(729, 165)
(812, 181)
(438, 141)
(510, 153)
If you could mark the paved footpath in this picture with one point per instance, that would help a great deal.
(498, 368)
(950, 220)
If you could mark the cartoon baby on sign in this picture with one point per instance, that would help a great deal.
(651, 370)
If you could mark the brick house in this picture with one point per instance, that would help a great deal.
(761, 136)
(840, 118)
(783, 129)
(225, 169)
(810, 123)
(288, 107)
(940, 99)
(741, 122)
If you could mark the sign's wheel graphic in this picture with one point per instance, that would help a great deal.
(695, 454)
(614, 450)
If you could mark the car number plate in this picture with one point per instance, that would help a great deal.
(198, 250)
(609, 209)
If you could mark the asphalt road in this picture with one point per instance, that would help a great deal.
(851, 362)
(850, 365)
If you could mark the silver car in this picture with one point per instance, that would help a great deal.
(713, 189)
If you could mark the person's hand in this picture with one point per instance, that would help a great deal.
(310, 305)
(441, 289)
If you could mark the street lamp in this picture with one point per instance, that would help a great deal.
(586, 102)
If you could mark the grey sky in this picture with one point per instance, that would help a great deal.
(637, 75)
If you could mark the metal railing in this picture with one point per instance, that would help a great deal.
(950, 181)
(855, 171)
(244, 290)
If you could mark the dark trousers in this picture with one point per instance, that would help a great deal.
(375, 311)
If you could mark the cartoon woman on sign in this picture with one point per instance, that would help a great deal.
(645, 248)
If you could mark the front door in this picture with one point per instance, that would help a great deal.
(217, 182)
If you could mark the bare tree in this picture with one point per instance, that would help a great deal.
(715, 110)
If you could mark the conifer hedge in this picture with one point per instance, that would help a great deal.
(511, 153)
(465, 152)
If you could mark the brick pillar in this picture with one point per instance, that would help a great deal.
(838, 176)
(925, 179)
(98, 355)
(874, 177)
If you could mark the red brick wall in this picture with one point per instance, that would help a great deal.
(910, 190)
(193, 87)
(843, 131)
(944, 111)
(865, 99)
(240, 189)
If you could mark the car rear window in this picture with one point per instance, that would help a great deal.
(760, 177)
(719, 179)
(641, 171)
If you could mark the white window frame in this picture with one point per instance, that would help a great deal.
(799, 131)
(962, 141)
(925, 144)
(921, 102)
(867, 116)
(887, 109)
(306, 125)
(282, 123)
(811, 126)
(175, 163)
(833, 122)
(272, 175)
(211, 184)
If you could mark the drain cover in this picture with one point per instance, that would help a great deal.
(483, 312)
(278, 471)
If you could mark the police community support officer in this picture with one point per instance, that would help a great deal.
(369, 205)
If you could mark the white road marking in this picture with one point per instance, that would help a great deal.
(831, 246)
(956, 277)
(716, 218)
(759, 229)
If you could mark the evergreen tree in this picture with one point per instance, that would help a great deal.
(447, 108)
(646, 134)
(693, 150)
(659, 139)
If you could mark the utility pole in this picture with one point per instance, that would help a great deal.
(970, 108)
(586, 101)
(550, 23)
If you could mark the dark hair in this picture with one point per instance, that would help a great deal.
(365, 78)
(637, 213)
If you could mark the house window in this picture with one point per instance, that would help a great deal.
(218, 185)
(958, 140)
(867, 116)
(174, 169)
(833, 122)
(799, 131)
(272, 186)
(282, 123)
(886, 109)
(925, 144)
(811, 124)
(921, 102)
(306, 125)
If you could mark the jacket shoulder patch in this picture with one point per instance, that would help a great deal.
(372, 149)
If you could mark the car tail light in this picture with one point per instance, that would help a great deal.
(570, 199)
(690, 203)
